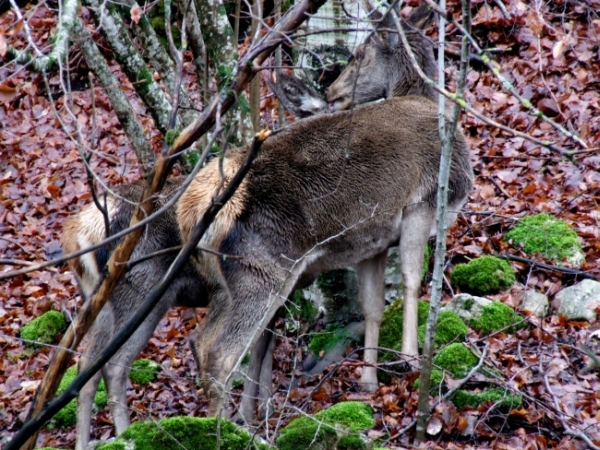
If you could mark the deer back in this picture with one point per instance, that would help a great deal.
(88, 228)
(346, 175)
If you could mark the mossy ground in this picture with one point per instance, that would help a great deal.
(450, 328)
(143, 371)
(321, 431)
(484, 275)
(300, 308)
(545, 235)
(497, 396)
(456, 359)
(199, 433)
(495, 317)
(67, 417)
(45, 328)
(326, 339)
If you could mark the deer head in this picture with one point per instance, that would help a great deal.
(381, 67)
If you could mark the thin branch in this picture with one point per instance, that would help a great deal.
(542, 265)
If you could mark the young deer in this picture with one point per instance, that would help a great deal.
(87, 228)
(380, 68)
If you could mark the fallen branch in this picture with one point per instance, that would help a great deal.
(533, 263)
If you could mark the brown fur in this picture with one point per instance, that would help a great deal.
(327, 192)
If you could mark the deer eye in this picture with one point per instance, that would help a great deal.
(360, 54)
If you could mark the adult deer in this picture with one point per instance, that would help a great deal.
(326, 192)
(87, 228)
(380, 68)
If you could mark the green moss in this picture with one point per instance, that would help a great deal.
(351, 442)
(171, 136)
(306, 433)
(437, 376)
(319, 432)
(332, 282)
(114, 445)
(143, 371)
(354, 415)
(326, 339)
(497, 316)
(185, 432)
(497, 396)
(450, 328)
(456, 359)
(545, 235)
(44, 329)
(427, 259)
(67, 417)
(390, 334)
(484, 275)
(300, 308)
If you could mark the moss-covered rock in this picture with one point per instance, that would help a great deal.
(497, 316)
(67, 417)
(301, 308)
(450, 328)
(484, 275)
(497, 396)
(143, 371)
(548, 236)
(326, 339)
(45, 328)
(353, 415)
(199, 433)
(456, 359)
(390, 334)
(334, 427)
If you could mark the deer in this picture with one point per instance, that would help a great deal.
(188, 289)
(87, 228)
(380, 68)
(304, 207)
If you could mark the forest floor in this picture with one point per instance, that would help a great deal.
(549, 51)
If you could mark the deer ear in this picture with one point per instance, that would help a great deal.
(295, 96)
(420, 17)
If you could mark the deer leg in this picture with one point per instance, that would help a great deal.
(85, 402)
(256, 294)
(265, 390)
(252, 382)
(371, 274)
(416, 228)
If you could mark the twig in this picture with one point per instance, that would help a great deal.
(541, 265)
(568, 429)
(16, 262)
(166, 251)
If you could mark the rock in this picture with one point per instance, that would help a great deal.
(579, 301)
(535, 303)
(467, 306)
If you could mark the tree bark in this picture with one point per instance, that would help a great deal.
(118, 100)
(133, 64)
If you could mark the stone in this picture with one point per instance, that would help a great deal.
(579, 301)
(467, 306)
(535, 303)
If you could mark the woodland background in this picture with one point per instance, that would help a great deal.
(551, 53)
